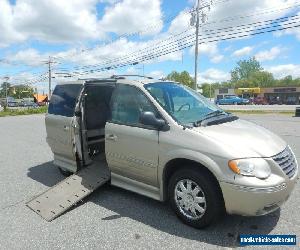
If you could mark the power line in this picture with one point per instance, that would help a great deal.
(144, 30)
(189, 43)
(185, 41)
(178, 43)
(181, 33)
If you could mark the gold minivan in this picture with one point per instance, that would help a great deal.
(166, 141)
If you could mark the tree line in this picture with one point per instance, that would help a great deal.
(16, 91)
(247, 74)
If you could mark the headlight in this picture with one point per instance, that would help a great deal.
(257, 167)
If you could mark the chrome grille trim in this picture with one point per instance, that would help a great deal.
(286, 161)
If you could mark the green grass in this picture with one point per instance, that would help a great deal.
(262, 112)
(30, 111)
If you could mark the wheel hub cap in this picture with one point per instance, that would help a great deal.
(190, 199)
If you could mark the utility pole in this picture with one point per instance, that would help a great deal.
(6, 91)
(49, 69)
(196, 46)
(195, 21)
(143, 69)
(49, 62)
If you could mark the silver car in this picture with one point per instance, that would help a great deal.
(166, 141)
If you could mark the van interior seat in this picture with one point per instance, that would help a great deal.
(97, 111)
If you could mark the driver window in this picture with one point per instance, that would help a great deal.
(128, 103)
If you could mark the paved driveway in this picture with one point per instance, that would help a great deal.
(112, 218)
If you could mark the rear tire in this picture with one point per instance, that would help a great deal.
(196, 208)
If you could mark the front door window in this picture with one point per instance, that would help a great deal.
(128, 103)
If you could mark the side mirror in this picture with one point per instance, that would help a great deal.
(148, 118)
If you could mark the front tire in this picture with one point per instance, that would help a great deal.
(64, 172)
(195, 197)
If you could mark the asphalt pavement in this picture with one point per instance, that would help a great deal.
(112, 218)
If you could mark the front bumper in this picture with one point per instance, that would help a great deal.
(255, 201)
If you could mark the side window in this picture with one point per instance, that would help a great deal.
(63, 99)
(127, 104)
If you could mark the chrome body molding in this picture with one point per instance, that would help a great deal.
(277, 188)
(130, 159)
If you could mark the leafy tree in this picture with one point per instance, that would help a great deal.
(17, 91)
(183, 78)
(261, 79)
(3, 89)
(244, 69)
(22, 91)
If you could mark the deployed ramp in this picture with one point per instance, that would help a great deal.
(68, 192)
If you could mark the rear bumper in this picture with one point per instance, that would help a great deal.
(253, 201)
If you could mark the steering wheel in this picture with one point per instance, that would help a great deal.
(186, 104)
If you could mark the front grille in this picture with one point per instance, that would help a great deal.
(287, 162)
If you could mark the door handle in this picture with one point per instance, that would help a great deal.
(66, 128)
(112, 137)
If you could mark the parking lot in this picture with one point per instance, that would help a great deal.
(112, 218)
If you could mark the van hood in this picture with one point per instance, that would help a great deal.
(244, 139)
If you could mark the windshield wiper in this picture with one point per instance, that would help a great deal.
(209, 116)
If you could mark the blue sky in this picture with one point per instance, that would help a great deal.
(86, 33)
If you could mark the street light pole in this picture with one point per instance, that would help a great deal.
(196, 46)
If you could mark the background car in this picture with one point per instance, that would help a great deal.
(29, 104)
(275, 100)
(260, 100)
(12, 104)
(291, 100)
(232, 99)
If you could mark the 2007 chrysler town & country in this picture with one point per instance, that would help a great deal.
(166, 141)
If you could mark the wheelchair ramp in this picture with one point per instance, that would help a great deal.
(68, 192)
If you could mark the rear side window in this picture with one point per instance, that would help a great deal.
(63, 99)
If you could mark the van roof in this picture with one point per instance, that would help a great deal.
(114, 79)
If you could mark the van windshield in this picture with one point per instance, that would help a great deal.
(184, 104)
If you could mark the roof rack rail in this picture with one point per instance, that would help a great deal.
(124, 76)
(97, 79)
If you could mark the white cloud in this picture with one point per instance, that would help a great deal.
(109, 1)
(75, 21)
(217, 58)
(50, 21)
(180, 23)
(78, 22)
(157, 74)
(268, 55)
(239, 10)
(213, 75)
(29, 57)
(131, 16)
(243, 51)
(293, 31)
(8, 32)
(281, 71)
(209, 49)
(132, 71)
(57, 20)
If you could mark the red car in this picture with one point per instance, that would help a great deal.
(260, 100)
